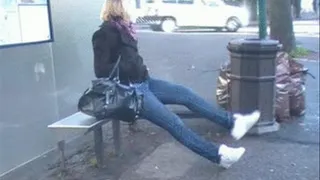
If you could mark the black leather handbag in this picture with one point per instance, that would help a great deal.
(107, 98)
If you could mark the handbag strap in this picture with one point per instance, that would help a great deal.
(116, 68)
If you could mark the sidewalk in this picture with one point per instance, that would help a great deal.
(292, 153)
(152, 154)
(295, 22)
(300, 27)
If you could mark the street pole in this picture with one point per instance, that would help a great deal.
(262, 19)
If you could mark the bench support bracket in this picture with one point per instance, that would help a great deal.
(116, 136)
(98, 146)
(61, 148)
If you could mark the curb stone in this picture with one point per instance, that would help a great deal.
(305, 59)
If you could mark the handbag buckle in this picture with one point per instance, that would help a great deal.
(107, 97)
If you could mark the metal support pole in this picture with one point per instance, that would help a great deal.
(116, 136)
(61, 147)
(98, 146)
(262, 19)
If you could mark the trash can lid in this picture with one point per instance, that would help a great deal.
(254, 45)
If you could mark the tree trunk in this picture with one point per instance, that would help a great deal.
(281, 23)
(297, 8)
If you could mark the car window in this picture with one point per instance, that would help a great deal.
(185, 2)
(169, 1)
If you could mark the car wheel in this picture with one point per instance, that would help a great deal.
(233, 25)
(168, 25)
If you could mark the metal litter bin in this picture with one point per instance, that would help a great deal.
(252, 77)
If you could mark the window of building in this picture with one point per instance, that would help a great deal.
(24, 22)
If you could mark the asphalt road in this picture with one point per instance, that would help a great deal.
(189, 47)
(306, 32)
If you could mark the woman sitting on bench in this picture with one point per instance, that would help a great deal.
(116, 34)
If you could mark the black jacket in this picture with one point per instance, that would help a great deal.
(108, 43)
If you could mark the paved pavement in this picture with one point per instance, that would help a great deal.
(291, 153)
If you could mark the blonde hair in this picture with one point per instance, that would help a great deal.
(112, 8)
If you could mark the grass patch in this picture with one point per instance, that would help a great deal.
(93, 162)
(299, 52)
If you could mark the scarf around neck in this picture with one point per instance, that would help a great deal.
(120, 24)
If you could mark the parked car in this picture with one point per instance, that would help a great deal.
(168, 15)
(3, 18)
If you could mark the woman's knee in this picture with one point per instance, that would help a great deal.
(185, 90)
(157, 113)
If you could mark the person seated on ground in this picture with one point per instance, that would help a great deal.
(116, 37)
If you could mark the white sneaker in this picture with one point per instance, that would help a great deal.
(229, 156)
(243, 123)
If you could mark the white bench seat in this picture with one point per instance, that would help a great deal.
(80, 123)
(75, 121)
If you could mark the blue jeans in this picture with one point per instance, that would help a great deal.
(157, 93)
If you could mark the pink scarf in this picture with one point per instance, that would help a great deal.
(123, 25)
